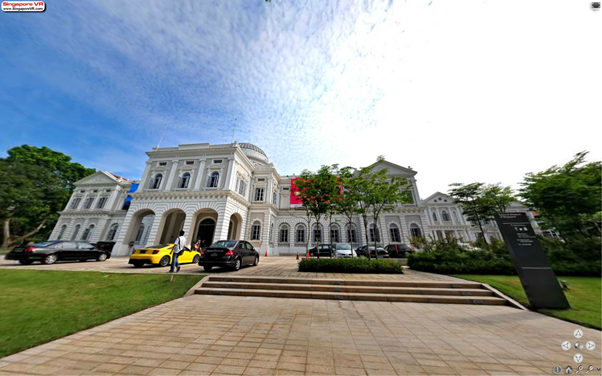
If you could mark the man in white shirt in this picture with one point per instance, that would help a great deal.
(178, 247)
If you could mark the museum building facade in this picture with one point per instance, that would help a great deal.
(233, 191)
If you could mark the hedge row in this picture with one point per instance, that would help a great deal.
(350, 265)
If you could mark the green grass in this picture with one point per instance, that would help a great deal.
(584, 296)
(38, 306)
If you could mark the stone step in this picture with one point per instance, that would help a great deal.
(348, 282)
(348, 289)
(481, 300)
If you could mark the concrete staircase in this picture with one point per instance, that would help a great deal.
(347, 289)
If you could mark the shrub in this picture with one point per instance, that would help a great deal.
(461, 262)
(351, 265)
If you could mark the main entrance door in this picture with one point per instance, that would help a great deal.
(205, 233)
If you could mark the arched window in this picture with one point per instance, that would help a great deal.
(140, 233)
(374, 233)
(75, 232)
(394, 233)
(300, 234)
(112, 232)
(317, 234)
(256, 231)
(415, 231)
(444, 216)
(88, 233)
(184, 180)
(335, 234)
(155, 183)
(351, 234)
(283, 238)
(455, 216)
(434, 217)
(62, 232)
(213, 179)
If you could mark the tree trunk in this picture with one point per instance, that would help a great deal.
(376, 236)
(5, 233)
(319, 231)
(367, 239)
(350, 235)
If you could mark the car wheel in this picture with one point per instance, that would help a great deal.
(102, 257)
(164, 261)
(196, 259)
(207, 268)
(138, 264)
(237, 264)
(25, 262)
(256, 262)
(50, 259)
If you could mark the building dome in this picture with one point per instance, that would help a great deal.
(254, 153)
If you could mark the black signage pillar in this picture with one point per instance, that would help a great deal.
(536, 276)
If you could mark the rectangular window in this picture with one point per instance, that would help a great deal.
(300, 235)
(75, 203)
(395, 236)
(242, 187)
(317, 234)
(351, 235)
(334, 235)
(284, 235)
(274, 198)
(262, 179)
(108, 191)
(255, 232)
(88, 203)
(258, 194)
(162, 163)
(101, 202)
(189, 162)
(217, 161)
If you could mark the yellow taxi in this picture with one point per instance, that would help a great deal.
(160, 254)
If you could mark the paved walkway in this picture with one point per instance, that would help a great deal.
(201, 335)
(285, 266)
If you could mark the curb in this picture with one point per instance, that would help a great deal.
(196, 286)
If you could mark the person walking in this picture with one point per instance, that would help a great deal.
(177, 249)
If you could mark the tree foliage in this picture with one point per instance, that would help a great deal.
(568, 197)
(475, 206)
(35, 185)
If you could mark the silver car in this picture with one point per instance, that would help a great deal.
(344, 250)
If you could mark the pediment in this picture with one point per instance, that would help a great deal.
(438, 198)
(98, 178)
(393, 169)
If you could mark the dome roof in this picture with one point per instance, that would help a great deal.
(254, 153)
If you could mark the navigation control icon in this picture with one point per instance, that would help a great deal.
(578, 358)
(566, 345)
(579, 369)
(557, 370)
(590, 368)
(578, 333)
(590, 345)
(578, 346)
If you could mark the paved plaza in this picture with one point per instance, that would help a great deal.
(231, 335)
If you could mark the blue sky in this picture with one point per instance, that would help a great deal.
(458, 90)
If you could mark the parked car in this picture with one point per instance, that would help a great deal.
(160, 254)
(229, 253)
(105, 246)
(468, 247)
(381, 252)
(344, 250)
(57, 250)
(398, 250)
(325, 250)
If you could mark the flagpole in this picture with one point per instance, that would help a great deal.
(161, 139)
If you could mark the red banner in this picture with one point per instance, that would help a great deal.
(295, 200)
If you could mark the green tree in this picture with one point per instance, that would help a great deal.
(500, 197)
(568, 196)
(316, 192)
(348, 204)
(35, 185)
(475, 206)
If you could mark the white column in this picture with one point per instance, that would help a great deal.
(154, 228)
(402, 230)
(199, 177)
(187, 224)
(172, 173)
(384, 229)
(99, 232)
(112, 198)
(221, 225)
(145, 175)
(229, 176)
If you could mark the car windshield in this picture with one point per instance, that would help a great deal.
(344, 246)
(224, 244)
(156, 246)
(43, 244)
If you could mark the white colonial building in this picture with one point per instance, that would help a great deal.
(232, 191)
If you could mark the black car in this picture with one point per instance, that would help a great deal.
(325, 250)
(229, 253)
(58, 250)
(398, 250)
(362, 251)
